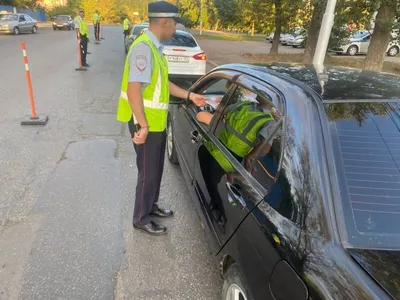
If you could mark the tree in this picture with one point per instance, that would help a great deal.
(278, 27)
(313, 30)
(382, 35)
(21, 3)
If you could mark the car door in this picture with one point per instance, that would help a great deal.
(230, 193)
(364, 44)
(186, 128)
(22, 23)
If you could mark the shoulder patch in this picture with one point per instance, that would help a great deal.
(141, 62)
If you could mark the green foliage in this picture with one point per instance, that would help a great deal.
(61, 10)
(21, 3)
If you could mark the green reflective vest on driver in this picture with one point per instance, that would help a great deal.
(155, 95)
(240, 135)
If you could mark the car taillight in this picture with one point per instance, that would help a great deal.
(200, 56)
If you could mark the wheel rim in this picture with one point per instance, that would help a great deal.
(169, 138)
(34, 29)
(235, 293)
(393, 51)
(16, 30)
(353, 50)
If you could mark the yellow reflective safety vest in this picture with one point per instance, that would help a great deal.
(240, 135)
(96, 18)
(82, 27)
(155, 95)
(126, 24)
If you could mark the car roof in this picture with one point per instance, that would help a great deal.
(343, 84)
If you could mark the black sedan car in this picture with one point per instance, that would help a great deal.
(63, 22)
(296, 179)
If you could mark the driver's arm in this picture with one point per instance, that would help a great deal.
(204, 117)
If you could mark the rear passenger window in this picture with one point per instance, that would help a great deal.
(181, 40)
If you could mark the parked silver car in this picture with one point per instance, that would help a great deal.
(17, 23)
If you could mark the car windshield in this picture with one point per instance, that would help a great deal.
(359, 35)
(9, 17)
(136, 30)
(366, 144)
(63, 18)
(182, 40)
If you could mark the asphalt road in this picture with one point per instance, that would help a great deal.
(68, 187)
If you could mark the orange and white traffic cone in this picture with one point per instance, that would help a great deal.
(34, 119)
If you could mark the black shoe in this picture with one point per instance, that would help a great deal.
(86, 65)
(162, 213)
(151, 228)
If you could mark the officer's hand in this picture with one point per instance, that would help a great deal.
(141, 136)
(197, 99)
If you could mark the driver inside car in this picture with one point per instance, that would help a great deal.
(246, 126)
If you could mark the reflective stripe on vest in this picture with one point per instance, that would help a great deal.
(155, 95)
(82, 27)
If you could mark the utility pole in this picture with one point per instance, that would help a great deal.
(324, 33)
(201, 17)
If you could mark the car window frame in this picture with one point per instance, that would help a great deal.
(21, 17)
(221, 74)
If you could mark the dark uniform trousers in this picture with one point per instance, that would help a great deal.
(150, 163)
(84, 42)
(97, 31)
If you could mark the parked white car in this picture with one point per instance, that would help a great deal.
(186, 60)
(295, 41)
(359, 44)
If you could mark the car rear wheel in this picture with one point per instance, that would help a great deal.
(393, 51)
(34, 29)
(171, 151)
(353, 50)
(16, 30)
(234, 287)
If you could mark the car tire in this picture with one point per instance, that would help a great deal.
(352, 50)
(234, 287)
(54, 28)
(16, 30)
(294, 46)
(171, 150)
(393, 51)
(34, 29)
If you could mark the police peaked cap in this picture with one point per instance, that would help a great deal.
(164, 9)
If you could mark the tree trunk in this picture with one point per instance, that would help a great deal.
(278, 28)
(252, 30)
(313, 31)
(381, 37)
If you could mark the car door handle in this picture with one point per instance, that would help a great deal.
(195, 136)
(235, 196)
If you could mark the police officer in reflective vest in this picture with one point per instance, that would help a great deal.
(82, 35)
(127, 25)
(96, 25)
(143, 102)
